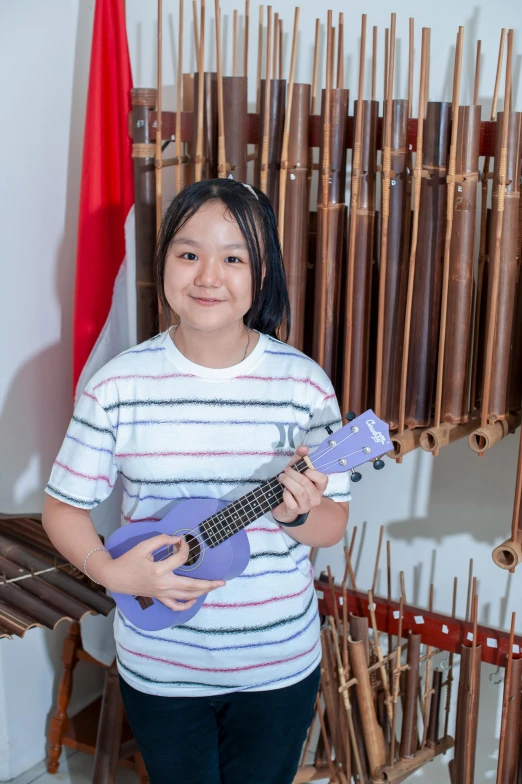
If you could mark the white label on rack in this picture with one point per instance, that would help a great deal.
(396, 614)
(491, 642)
(341, 601)
(372, 607)
(470, 636)
(516, 648)
(418, 619)
(445, 629)
(320, 594)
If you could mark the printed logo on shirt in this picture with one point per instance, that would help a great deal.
(286, 436)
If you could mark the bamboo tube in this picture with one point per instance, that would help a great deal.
(356, 173)
(413, 251)
(404, 443)
(315, 70)
(507, 752)
(266, 117)
(450, 201)
(483, 438)
(396, 263)
(488, 364)
(281, 60)
(382, 668)
(245, 46)
(403, 769)
(276, 45)
(201, 85)
(295, 246)
(222, 161)
(179, 76)
(372, 732)
(386, 58)
(158, 154)
(483, 224)
(460, 283)
(286, 131)
(340, 53)
(409, 719)
(374, 63)
(508, 555)
(477, 74)
(377, 558)
(359, 633)
(385, 214)
(436, 693)
(410, 65)
(396, 680)
(196, 33)
(449, 679)
(343, 717)
(259, 59)
(434, 438)
(427, 692)
(235, 25)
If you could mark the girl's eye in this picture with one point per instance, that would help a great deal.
(187, 254)
(232, 259)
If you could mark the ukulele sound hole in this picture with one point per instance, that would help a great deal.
(194, 550)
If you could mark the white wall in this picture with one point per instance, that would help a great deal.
(438, 513)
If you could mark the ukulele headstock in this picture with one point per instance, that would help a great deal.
(364, 438)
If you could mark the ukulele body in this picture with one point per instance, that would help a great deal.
(222, 562)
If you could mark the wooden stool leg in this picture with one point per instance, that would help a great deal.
(60, 719)
(110, 724)
(141, 770)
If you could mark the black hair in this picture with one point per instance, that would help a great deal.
(255, 217)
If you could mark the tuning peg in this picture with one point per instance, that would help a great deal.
(328, 429)
(355, 476)
(378, 464)
(350, 416)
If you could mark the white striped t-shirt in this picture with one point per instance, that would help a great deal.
(175, 430)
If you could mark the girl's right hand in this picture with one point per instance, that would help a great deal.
(137, 573)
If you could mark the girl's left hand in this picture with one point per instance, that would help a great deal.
(302, 491)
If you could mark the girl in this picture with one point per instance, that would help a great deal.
(210, 409)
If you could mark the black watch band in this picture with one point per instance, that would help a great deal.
(298, 521)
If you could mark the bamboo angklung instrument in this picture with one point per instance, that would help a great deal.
(179, 76)
(409, 732)
(403, 443)
(508, 555)
(428, 273)
(235, 111)
(199, 86)
(159, 102)
(484, 228)
(385, 214)
(496, 241)
(143, 153)
(286, 132)
(350, 335)
(331, 219)
(467, 708)
(373, 735)
(222, 161)
(457, 292)
(295, 200)
(509, 748)
(505, 291)
(433, 725)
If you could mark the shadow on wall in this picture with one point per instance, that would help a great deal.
(468, 494)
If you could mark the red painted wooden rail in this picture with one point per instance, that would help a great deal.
(439, 631)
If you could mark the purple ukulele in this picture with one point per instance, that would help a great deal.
(215, 530)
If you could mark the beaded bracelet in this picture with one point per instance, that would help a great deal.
(85, 563)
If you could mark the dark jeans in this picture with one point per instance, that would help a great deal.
(239, 738)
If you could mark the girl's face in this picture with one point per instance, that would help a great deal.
(208, 277)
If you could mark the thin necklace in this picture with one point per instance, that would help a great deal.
(247, 345)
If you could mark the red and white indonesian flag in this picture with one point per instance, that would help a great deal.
(105, 291)
(105, 297)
